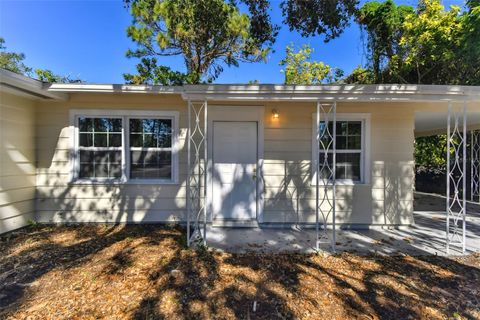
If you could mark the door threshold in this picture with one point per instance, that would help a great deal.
(232, 223)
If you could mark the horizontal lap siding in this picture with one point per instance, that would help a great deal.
(58, 200)
(17, 161)
(289, 193)
(289, 196)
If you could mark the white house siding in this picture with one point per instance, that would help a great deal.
(17, 161)
(289, 195)
(60, 201)
(386, 199)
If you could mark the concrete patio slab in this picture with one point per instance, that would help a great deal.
(426, 237)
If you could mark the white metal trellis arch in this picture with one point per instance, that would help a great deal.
(456, 176)
(325, 173)
(475, 166)
(197, 172)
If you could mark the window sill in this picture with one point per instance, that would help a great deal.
(343, 183)
(122, 182)
(150, 182)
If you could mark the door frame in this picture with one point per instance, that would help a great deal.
(236, 114)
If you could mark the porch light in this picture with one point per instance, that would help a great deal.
(275, 114)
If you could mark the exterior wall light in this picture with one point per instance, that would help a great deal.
(275, 114)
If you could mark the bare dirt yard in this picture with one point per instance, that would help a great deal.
(146, 272)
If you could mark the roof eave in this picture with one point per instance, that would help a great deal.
(271, 92)
(113, 88)
(16, 83)
(333, 92)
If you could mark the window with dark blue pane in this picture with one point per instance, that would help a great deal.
(100, 147)
(150, 148)
(349, 150)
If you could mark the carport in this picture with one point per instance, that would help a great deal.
(461, 124)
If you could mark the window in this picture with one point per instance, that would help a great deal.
(125, 147)
(151, 148)
(100, 147)
(350, 148)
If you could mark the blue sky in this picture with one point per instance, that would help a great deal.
(87, 39)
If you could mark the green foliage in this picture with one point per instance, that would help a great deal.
(429, 45)
(46, 75)
(12, 61)
(299, 69)
(360, 75)
(470, 40)
(382, 21)
(432, 39)
(208, 34)
(262, 31)
(318, 17)
(431, 151)
(148, 72)
(33, 224)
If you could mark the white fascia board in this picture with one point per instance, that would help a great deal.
(25, 86)
(346, 88)
(332, 97)
(392, 93)
(271, 92)
(112, 88)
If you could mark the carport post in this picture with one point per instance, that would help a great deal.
(456, 176)
(475, 166)
(324, 205)
(188, 174)
(196, 183)
(317, 173)
(205, 168)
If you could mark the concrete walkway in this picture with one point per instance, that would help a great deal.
(427, 236)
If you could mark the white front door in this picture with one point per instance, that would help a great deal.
(234, 186)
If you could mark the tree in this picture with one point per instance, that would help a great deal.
(46, 75)
(470, 49)
(431, 151)
(12, 61)
(148, 72)
(432, 40)
(429, 45)
(299, 69)
(382, 22)
(360, 75)
(209, 34)
(318, 17)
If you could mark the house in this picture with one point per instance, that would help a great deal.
(230, 155)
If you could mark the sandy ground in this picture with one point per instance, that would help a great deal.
(146, 272)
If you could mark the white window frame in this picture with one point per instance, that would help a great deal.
(365, 162)
(125, 115)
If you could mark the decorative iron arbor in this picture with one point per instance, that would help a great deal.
(456, 175)
(475, 166)
(325, 173)
(197, 172)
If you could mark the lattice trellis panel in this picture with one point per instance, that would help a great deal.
(475, 166)
(325, 173)
(456, 176)
(196, 172)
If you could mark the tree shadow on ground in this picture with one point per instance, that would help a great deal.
(58, 248)
(300, 286)
(164, 280)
